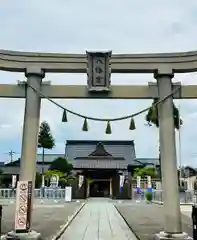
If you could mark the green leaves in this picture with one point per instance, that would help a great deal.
(62, 165)
(144, 172)
(45, 138)
(152, 116)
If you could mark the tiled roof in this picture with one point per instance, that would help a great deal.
(147, 161)
(99, 164)
(95, 142)
(118, 149)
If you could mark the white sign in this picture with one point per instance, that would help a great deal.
(13, 181)
(190, 186)
(98, 71)
(158, 185)
(54, 180)
(68, 194)
(122, 177)
(138, 181)
(149, 184)
(81, 179)
(23, 205)
(43, 181)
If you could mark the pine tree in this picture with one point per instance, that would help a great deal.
(45, 140)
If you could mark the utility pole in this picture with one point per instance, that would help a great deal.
(11, 153)
(180, 153)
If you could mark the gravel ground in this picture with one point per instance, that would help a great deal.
(147, 219)
(47, 218)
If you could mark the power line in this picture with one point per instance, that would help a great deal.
(11, 154)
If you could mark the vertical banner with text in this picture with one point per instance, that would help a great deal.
(68, 194)
(149, 184)
(43, 181)
(23, 206)
(122, 178)
(138, 184)
(13, 181)
(81, 180)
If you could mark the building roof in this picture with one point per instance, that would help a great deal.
(100, 153)
(85, 154)
(99, 164)
(105, 142)
(146, 161)
(101, 159)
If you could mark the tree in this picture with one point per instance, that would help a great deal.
(144, 172)
(50, 173)
(45, 140)
(62, 165)
(152, 116)
(153, 119)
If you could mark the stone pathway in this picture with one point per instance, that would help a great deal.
(186, 210)
(98, 220)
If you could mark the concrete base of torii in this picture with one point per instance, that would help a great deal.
(31, 235)
(167, 236)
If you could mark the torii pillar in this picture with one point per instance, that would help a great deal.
(34, 77)
(171, 202)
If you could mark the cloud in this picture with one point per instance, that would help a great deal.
(121, 26)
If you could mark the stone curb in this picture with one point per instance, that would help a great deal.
(181, 204)
(137, 238)
(157, 202)
(3, 237)
(70, 219)
(63, 228)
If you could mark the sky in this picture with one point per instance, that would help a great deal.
(127, 26)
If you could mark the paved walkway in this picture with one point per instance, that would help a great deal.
(187, 210)
(98, 220)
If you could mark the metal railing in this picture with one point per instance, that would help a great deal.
(185, 197)
(46, 193)
(50, 193)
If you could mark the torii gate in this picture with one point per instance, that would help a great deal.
(163, 66)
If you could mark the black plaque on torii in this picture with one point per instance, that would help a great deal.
(98, 71)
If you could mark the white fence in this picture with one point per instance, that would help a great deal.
(7, 193)
(47, 193)
(185, 197)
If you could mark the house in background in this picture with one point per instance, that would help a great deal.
(188, 171)
(148, 162)
(13, 168)
(187, 176)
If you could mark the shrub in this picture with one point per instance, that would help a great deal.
(149, 196)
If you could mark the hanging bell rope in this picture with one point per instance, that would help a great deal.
(64, 116)
(108, 128)
(85, 125)
(153, 114)
(132, 124)
(103, 119)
